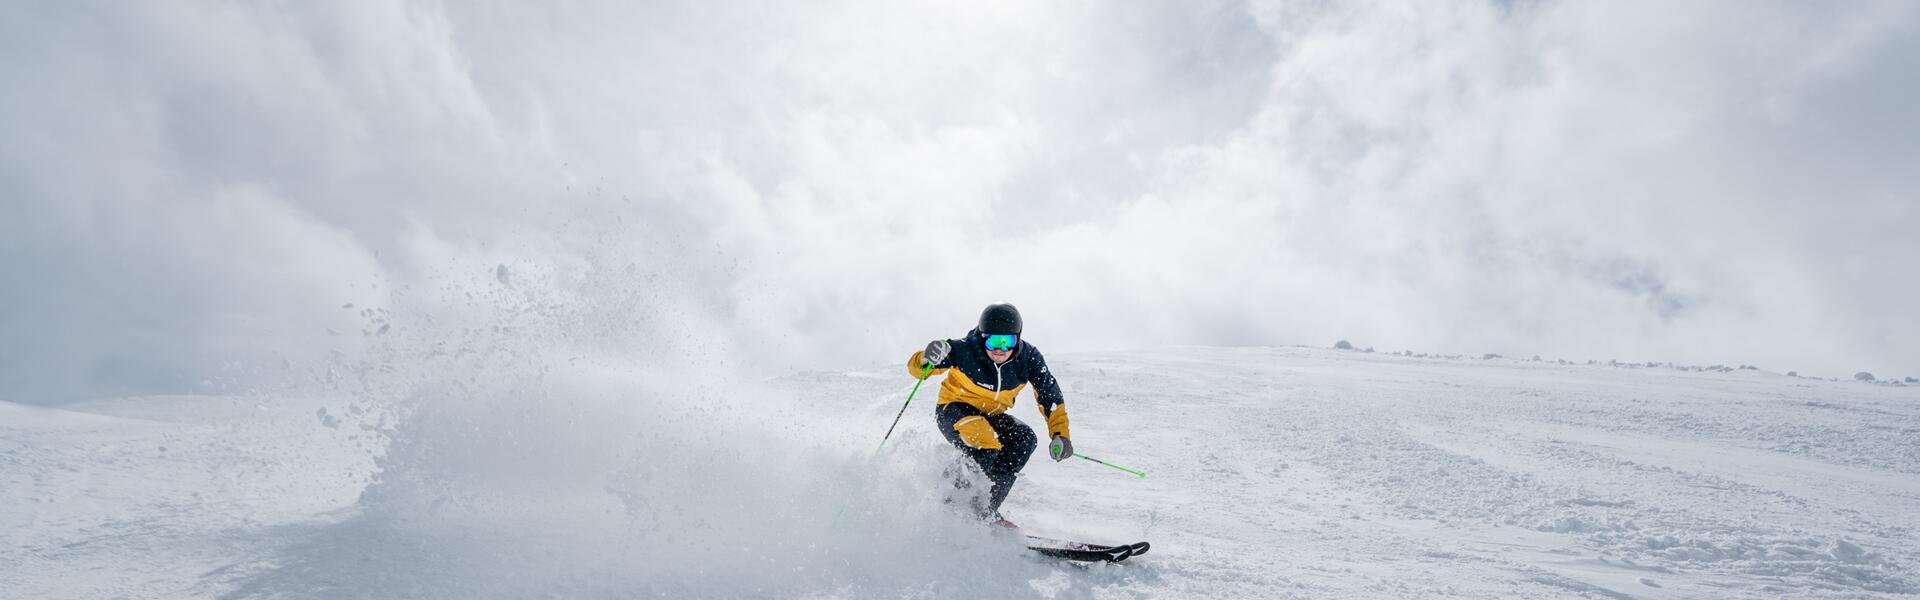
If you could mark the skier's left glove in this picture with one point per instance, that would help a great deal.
(1061, 449)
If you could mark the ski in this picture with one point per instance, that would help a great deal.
(1081, 551)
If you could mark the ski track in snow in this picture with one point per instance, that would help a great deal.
(1272, 473)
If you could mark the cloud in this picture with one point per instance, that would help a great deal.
(206, 184)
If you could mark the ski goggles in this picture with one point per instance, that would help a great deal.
(1000, 341)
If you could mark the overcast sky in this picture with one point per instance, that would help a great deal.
(195, 188)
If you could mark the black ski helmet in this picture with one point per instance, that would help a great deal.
(999, 319)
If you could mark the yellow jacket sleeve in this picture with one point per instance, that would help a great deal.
(1056, 420)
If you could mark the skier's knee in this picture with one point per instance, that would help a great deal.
(1020, 440)
(977, 433)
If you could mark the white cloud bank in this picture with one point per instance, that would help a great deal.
(187, 187)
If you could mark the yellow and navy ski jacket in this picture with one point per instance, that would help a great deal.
(973, 379)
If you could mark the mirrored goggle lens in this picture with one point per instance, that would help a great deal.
(1002, 342)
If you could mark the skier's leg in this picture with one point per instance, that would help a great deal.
(968, 430)
(969, 486)
(1017, 442)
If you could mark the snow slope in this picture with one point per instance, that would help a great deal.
(1282, 473)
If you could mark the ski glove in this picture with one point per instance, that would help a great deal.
(936, 352)
(1061, 449)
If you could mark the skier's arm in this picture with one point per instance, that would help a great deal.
(1053, 405)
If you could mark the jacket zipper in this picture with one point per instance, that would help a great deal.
(997, 384)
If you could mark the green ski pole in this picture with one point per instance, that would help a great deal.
(1140, 474)
(926, 370)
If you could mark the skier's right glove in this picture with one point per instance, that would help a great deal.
(936, 351)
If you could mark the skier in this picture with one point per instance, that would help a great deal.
(986, 370)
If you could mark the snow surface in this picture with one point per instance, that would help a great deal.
(1282, 473)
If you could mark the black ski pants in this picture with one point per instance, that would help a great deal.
(1000, 455)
